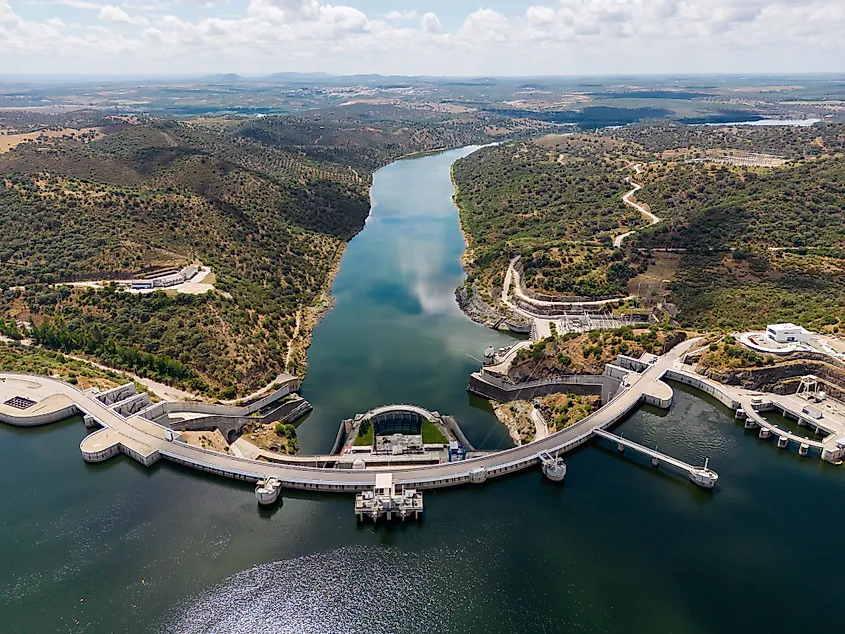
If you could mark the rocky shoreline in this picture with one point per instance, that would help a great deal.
(477, 309)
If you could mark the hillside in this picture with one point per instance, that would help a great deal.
(267, 203)
(753, 215)
(557, 203)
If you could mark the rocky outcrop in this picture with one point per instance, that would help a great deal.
(782, 378)
(477, 309)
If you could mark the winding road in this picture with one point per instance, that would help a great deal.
(627, 199)
(512, 276)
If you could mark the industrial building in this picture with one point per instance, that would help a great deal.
(788, 333)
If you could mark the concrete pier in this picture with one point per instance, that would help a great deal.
(553, 466)
(704, 477)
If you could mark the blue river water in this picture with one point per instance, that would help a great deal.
(618, 547)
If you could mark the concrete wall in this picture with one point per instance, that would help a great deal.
(583, 384)
(630, 363)
(100, 456)
(704, 386)
(198, 407)
(615, 371)
(664, 401)
(40, 419)
(452, 425)
(285, 413)
(132, 405)
(155, 411)
(340, 439)
(290, 386)
(115, 394)
(144, 460)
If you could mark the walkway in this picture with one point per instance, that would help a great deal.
(542, 323)
(512, 277)
(541, 428)
(146, 441)
(702, 476)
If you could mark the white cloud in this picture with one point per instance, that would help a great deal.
(430, 23)
(485, 25)
(116, 15)
(79, 4)
(395, 16)
(202, 3)
(149, 6)
(563, 37)
(284, 10)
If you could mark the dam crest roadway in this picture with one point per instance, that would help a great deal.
(147, 442)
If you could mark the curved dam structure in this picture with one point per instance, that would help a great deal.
(147, 442)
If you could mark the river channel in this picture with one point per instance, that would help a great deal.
(619, 547)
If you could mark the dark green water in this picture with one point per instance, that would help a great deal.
(620, 547)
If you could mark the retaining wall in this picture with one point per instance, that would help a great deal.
(615, 371)
(40, 419)
(285, 413)
(115, 394)
(132, 405)
(630, 363)
(704, 386)
(583, 384)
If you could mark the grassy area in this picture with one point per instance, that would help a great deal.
(18, 358)
(365, 434)
(276, 437)
(729, 354)
(431, 435)
(563, 410)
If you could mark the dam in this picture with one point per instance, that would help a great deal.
(211, 560)
(146, 441)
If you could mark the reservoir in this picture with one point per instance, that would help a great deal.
(619, 547)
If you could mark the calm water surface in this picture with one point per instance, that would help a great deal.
(620, 547)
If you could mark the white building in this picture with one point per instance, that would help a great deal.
(788, 333)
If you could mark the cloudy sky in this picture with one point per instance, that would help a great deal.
(446, 37)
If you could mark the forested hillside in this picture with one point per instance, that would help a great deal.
(558, 204)
(757, 242)
(366, 137)
(762, 244)
(698, 140)
(268, 204)
(708, 206)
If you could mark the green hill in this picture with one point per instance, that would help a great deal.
(268, 203)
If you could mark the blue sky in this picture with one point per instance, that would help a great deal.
(503, 37)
